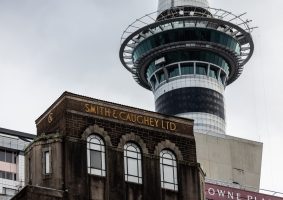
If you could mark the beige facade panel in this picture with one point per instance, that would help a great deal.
(230, 160)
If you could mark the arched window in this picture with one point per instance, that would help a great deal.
(95, 155)
(132, 163)
(168, 170)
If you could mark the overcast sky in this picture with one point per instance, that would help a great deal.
(48, 47)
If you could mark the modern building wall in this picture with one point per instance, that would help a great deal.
(12, 176)
(230, 161)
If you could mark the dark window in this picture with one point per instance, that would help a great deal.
(173, 71)
(95, 159)
(153, 82)
(213, 73)
(2, 155)
(187, 68)
(161, 76)
(9, 157)
(2, 174)
(205, 56)
(187, 34)
(9, 175)
(223, 78)
(201, 69)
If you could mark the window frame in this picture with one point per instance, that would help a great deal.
(173, 166)
(8, 156)
(133, 178)
(8, 175)
(46, 163)
(95, 143)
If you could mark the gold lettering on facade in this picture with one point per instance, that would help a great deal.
(50, 118)
(156, 122)
(151, 122)
(115, 114)
(123, 116)
(140, 119)
(129, 117)
(107, 112)
(173, 126)
(146, 120)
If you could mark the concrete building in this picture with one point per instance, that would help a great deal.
(187, 53)
(12, 175)
(230, 161)
(91, 149)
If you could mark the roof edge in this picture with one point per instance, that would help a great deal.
(17, 133)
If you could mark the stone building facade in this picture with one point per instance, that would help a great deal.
(91, 149)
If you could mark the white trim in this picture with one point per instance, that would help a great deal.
(206, 123)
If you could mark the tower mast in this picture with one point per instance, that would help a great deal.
(186, 53)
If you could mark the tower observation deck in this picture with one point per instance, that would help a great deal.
(186, 53)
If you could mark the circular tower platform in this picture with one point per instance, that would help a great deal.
(167, 4)
(186, 54)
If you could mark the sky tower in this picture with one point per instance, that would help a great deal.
(186, 53)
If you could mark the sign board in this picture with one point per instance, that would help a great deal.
(217, 192)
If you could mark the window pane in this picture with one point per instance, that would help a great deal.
(168, 174)
(133, 179)
(167, 155)
(132, 167)
(9, 157)
(14, 158)
(9, 175)
(212, 73)
(173, 71)
(201, 70)
(132, 154)
(131, 149)
(2, 174)
(169, 186)
(167, 161)
(187, 68)
(160, 76)
(47, 162)
(95, 159)
(2, 155)
(153, 82)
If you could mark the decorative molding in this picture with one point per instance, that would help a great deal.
(168, 145)
(95, 129)
(135, 138)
